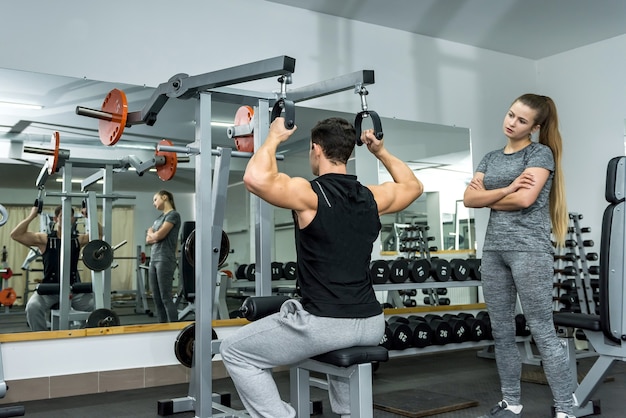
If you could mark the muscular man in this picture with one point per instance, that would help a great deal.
(336, 223)
(49, 246)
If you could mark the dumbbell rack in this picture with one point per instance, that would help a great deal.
(579, 269)
(413, 240)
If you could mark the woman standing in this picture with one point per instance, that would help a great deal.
(163, 235)
(523, 186)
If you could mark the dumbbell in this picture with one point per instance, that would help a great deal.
(398, 270)
(475, 325)
(460, 331)
(591, 256)
(419, 270)
(277, 270)
(484, 317)
(250, 271)
(571, 257)
(240, 273)
(440, 301)
(409, 303)
(422, 333)
(379, 270)
(521, 327)
(440, 269)
(400, 334)
(290, 270)
(474, 265)
(459, 269)
(567, 271)
(595, 270)
(387, 336)
(442, 331)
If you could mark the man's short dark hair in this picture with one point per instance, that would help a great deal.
(337, 138)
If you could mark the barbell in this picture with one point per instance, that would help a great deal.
(55, 154)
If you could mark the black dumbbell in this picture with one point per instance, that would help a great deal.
(484, 317)
(591, 256)
(440, 269)
(571, 257)
(250, 271)
(419, 270)
(567, 271)
(277, 270)
(460, 331)
(429, 300)
(398, 270)
(290, 270)
(400, 334)
(441, 291)
(475, 325)
(422, 333)
(240, 273)
(379, 270)
(474, 265)
(387, 336)
(442, 331)
(459, 269)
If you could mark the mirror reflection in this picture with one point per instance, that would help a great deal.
(440, 155)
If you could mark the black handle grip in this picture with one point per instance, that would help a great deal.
(378, 126)
(290, 112)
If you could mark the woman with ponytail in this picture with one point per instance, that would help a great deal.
(522, 185)
(163, 236)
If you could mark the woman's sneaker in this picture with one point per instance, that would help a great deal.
(501, 410)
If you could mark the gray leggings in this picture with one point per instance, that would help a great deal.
(161, 276)
(529, 274)
(286, 338)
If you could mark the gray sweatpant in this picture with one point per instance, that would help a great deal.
(505, 274)
(38, 307)
(286, 338)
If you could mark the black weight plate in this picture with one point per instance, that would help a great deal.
(97, 255)
(102, 318)
(190, 248)
(185, 343)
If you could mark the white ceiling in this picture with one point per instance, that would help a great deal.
(532, 29)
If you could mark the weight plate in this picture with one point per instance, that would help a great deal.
(168, 169)
(4, 215)
(190, 248)
(7, 274)
(102, 318)
(117, 105)
(55, 141)
(97, 255)
(185, 343)
(8, 296)
(244, 116)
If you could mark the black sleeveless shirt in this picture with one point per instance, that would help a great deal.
(334, 250)
(52, 259)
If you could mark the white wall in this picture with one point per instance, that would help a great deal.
(589, 89)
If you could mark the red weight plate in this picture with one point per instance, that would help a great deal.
(166, 171)
(116, 104)
(8, 296)
(244, 116)
(55, 142)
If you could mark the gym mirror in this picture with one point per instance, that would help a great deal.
(439, 154)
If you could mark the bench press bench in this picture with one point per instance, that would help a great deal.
(353, 363)
(606, 330)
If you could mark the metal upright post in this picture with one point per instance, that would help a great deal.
(66, 240)
(263, 214)
(203, 370)
(107, 228)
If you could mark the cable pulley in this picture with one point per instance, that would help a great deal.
(365, 113)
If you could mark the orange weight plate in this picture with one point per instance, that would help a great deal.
(55, 142)
(7, 296)
(244, 116)
(116, 104)
(166, 171)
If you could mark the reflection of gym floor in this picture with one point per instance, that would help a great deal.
(459, 374)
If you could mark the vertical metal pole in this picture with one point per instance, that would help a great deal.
(263, 214)
(97, 277)
(66, 240)
(107, 228)
(203, 370)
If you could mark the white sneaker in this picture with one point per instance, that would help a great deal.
(564, 415)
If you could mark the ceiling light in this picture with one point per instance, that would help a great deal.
(20, 106)
(222, 124)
